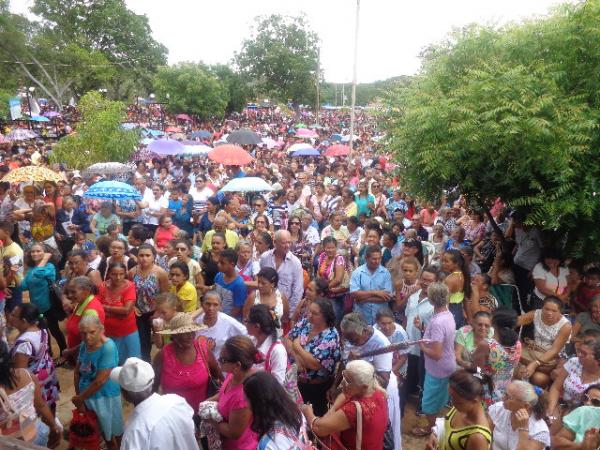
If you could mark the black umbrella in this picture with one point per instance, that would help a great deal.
(244, 137)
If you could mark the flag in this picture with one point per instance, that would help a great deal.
(34, 107)
(14, 104)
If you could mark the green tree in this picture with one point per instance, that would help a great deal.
(281, 58)
(99, 136)
(191, 89)
(238, 90)
(109, 27)
(510, 112)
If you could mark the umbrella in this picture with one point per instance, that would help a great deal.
(306, 133)
(336, 137)
(183, 117)
(316, 126)
(193, 150)
(112, 190)
(247, 184)
(129, 125)
(155, 132)
(347, 138)
(244, 137)
(108, 168)
(270, 143)
(178, 136)
(39, 119)
(306, 152)
(166, 147)
(143, 154)
(147, 141)
(300, 125)
(230, 155)
(173, 129)
(52, 114)
(337, 150)
(201, 134)
(37, 174)
(299, 146)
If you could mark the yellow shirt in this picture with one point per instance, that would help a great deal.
(187, 295)
(231, 238)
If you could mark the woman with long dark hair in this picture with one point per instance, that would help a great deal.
(26, 404)
(275, 417)
(459, 285)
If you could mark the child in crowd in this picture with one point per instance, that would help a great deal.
(230, 285)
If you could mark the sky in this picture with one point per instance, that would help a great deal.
(391, 32)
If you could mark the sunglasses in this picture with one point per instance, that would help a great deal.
(593, 401)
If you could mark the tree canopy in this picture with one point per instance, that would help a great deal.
(281, 58)
(99, 137)
(510, 112)
(191, 89)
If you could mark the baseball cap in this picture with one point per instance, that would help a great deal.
(133, 376)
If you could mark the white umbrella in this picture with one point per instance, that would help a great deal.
(301, 146)
(196, 150)
(247, 184)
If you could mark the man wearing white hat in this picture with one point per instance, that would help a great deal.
(158, 422)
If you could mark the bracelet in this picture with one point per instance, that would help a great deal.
(537, 361)
(312, 422)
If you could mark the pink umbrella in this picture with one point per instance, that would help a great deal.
(230, 155)
(306, 133)
(183, 117)
(172, 129)
(337, 150)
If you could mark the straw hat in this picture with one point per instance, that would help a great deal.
(181, 323)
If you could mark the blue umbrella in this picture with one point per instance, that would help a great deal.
(336, 137)
(39, 119)
(166, 147)
(306, 152)
(112, 190)
(201, 134)
(129, 125)
(156, 132)
(147, 141)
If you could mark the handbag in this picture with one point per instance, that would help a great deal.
(21, 424)
(56, 306)
(213, 384)
(84, 431)
(344, 284)
(290, 382)
(336, 442)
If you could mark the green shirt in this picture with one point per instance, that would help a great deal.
(582, 419)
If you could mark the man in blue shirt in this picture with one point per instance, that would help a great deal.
(230, 285)
(371, 285)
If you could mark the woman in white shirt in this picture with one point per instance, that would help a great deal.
(219, 326)
(550, 278)
(262, 324)
(157, 205)
(200, 192)
(518, 422)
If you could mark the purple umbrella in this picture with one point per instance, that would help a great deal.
(166, 147)
(52, 114)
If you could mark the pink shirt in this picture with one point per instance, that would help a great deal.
(230, 401)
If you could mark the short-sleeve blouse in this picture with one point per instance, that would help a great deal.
(573, 387)
(325, 347)
(545, 335)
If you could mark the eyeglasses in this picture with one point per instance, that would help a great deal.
(593, 401)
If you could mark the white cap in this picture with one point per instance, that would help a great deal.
(133, 376)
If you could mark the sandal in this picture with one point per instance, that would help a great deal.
(421, 431)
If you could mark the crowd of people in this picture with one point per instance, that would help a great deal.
(309, 315)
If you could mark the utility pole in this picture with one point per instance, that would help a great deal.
(318, 110)
(354, 78)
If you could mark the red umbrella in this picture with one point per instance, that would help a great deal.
(184, 117)
(173, 130)
(337, 150)
(230, 155)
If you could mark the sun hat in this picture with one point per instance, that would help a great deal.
(133, 376)
(181, 323)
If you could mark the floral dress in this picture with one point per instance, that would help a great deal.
(325, 347)
(573, 387)
(500, 365)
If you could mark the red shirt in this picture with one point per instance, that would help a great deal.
(72, 325)
(118, 326)
(374, 422)
(584, 298)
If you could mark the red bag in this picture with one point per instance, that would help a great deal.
(84, 431)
